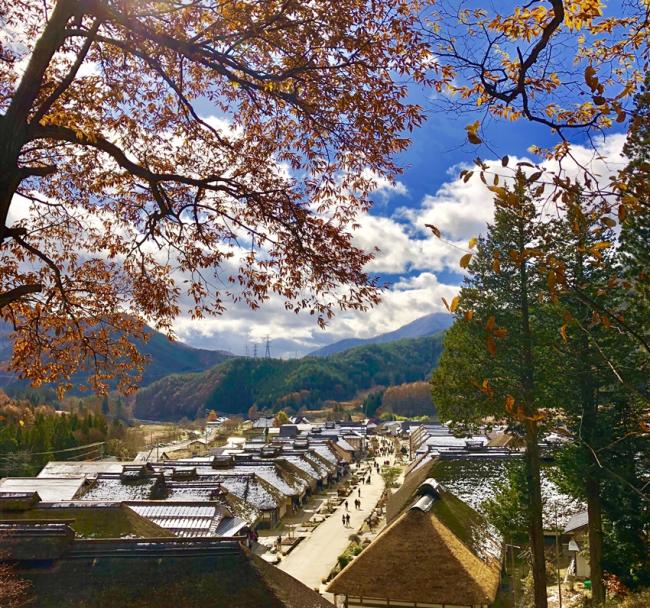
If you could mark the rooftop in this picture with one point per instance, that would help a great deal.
(438, 551)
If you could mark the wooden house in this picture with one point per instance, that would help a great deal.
(439, 553)
(153, 572)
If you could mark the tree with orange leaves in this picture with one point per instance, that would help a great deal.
(159, 157)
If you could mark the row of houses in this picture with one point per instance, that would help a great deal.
(259, 485)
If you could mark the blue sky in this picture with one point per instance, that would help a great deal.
(420, 269)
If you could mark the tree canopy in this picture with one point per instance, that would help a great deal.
(160, 157)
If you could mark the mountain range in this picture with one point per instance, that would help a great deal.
(424, 326)
(242, 382)
(165, 357)
(183, 381)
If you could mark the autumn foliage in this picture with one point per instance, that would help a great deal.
(166, 157)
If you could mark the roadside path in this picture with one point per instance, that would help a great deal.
(313, 559)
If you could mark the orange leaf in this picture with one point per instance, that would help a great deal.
(491, 346)
(469, 315)
(465, 260)
(491, 322)
(563, 332)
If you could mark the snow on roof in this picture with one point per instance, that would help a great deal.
(326, 452)
(112, 488)
(85, 468)
(304, 465)
(50, 489)
(342, 443)
(250, 490)
(579, 520)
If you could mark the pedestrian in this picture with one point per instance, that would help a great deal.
(347, 517)
(343, 519)
(346, 505)
(359, 492)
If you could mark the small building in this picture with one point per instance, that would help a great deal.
(577, 528)
(438, 553)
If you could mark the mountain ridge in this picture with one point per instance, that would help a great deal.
(242, 382)
(421, 327)
(166, 357)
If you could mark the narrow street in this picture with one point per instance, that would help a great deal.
(313, 559)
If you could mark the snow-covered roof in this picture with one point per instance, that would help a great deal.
(579, 520)
(85, 468)
(50, 489)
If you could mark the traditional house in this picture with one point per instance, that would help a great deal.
(85, 519)
(439, 553)
(577, 528)
(65, 570)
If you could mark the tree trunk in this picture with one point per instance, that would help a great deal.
(589, 434)
(535, 522)
(592, 487)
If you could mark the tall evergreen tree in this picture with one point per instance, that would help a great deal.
(494, 358)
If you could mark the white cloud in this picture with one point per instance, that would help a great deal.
(406, 249)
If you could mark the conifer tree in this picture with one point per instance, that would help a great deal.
(493, 362)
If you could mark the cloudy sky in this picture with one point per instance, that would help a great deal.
(419, 268)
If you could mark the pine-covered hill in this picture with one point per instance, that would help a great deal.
(165, 357)
(236, 385)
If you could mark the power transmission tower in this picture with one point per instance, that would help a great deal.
(247, 353)
(255, 350)
(267, 350)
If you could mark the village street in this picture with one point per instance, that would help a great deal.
(313, 559)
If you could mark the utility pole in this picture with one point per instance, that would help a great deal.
(267, 351)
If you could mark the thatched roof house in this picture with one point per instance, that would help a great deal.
(152, 573)
(438, 552)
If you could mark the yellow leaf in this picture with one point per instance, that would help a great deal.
(472, 242)
(563, 332)
(510, 402)
(454, 304)
(474, 139)
(465, 260)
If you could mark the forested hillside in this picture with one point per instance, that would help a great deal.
(237, 384)
(165, 357)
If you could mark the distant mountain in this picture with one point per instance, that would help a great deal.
(165, 357)
(239, 383)
(424, 326)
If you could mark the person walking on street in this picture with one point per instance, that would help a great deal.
(359, 492)
(346, 505)
(347, 519)
(343, 519)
